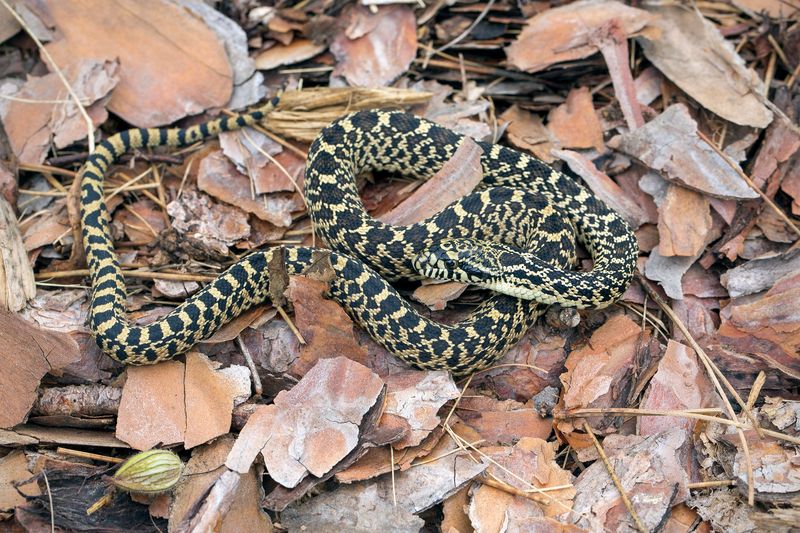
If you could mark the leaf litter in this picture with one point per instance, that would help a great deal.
(685, 123)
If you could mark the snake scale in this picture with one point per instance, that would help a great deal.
(534, 212)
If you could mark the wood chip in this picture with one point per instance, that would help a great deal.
(17, 284)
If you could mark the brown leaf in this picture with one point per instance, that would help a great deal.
(575, 123)
(218, 177)
(215, 225)
(26, 354)
(175, 403)
(14, 468)
(760, 274)
(565, 33)
(31, 126)
(47, 229)
(651, 471)
(358, 508)
(324, 325)
(375, 48)
(533, 460)
(311, 427)
(773, 316)
(776, 469)
(295, 52)
(272, 178)
(184, 60)
(428, 483)
(436, 295)
(691, 53)
(141, 220)
(8, 26)
(379, 460)
(599, 374)
(534, 364)
(781, 142)
(777, 9)
(791, 186)
(670, 145)
(200, 474)
(501, 423)
(527, 132)
(684, 222)
(783, 414)
(413, 398)
(246, 147)
(680, 383)
(454, 510)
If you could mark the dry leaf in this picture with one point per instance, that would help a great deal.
(651, 472)
(295, 52)
(692, 54)
(175, 403)
(219, 178)
(670, 145)
(32, 126)
(431, 481)
(776, 469)
(324, 325)
(680, 383)
(530, 367)
(181, 69)
(527, 132)
(380, 50)
(13, 469)
(773, 316)
(272, 178)
(566, 33)
(684, 222)
(412, 400)
(313, 426)
(783, 414)
(777, 9)
(47, 229)
(17, 284)
(501, 423)
(27, 353)
(356, 508)
(200, 474)
(436, 295)
(454, 510)
(725, 510)
(599, 374)
(575, 124)
(781, 142)
(380, 460)
(142, 221)
(532, 460)
(216, 225)
(8, 25)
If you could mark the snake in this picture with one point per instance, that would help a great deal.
(516, 235)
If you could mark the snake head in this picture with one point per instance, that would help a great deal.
(466, 260)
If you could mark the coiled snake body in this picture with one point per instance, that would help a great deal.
(525, 205)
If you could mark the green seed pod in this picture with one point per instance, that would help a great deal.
(149, 472)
